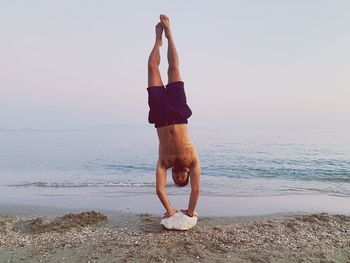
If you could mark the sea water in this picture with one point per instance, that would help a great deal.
(121, 163)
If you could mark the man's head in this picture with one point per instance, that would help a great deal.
(181, 175)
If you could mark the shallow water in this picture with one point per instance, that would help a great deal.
(117, 163)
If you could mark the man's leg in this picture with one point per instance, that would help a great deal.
(173, 58)
(154, 78)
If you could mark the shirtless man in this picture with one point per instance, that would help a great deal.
(169, 112)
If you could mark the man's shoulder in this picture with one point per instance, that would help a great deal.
(161, 163)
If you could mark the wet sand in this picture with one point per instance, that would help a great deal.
(91, 236)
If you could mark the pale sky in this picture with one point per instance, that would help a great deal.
(83, 64)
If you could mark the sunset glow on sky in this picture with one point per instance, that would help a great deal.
(83, 64)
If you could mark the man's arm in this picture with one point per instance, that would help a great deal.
(195, 175)
(160, 187)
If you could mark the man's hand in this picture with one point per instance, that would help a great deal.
(189, 214)
(169, 213)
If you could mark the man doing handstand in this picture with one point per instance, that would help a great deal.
(169, 112)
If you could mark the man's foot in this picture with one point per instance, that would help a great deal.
(159, 33)
(164, 20)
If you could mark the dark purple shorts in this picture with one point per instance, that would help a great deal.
(167, 105)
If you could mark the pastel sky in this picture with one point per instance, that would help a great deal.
(83, 64)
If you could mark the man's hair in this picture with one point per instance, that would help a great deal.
(182, 184)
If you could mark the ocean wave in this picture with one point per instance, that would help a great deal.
(210, 185)
(302, 174)
(82, 184)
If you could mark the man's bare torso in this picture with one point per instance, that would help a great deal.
(174, 143)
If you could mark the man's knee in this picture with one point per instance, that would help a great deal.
(173, 74)
(173, 70)
(153, 65)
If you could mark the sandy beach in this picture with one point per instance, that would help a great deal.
(91, 236)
